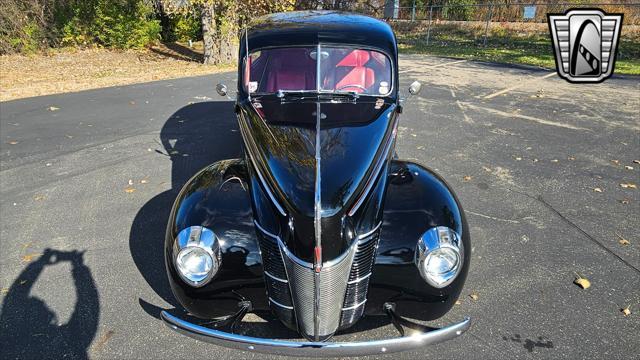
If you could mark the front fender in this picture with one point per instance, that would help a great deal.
(417, 199)
(217, 198)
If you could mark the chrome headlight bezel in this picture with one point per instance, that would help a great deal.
(202, 239)
(434, 240)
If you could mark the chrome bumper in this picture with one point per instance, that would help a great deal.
(315, 349)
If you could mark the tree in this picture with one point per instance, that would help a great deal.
(222, 21)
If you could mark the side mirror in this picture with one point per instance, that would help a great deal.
(415, 88)
(221, 89)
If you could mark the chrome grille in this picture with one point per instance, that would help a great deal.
(329, 284)
(356, 292)
(343, 285)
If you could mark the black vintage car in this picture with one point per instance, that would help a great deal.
(319, 223)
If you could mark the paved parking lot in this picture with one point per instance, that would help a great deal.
(91, 176)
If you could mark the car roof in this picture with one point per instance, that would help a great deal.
(312, 27)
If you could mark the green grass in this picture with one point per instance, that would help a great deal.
(503, 47)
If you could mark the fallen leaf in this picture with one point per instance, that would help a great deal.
(467, 178)
(617, 162)
(535, 160)
(13, 142)
(39, 197)
(474, 296)
(129, 190)
(103, 340)
(636, 161)
(518, 158)
(622, 241)
(629, 186)
(414, 135)
(27, 258)
(625, 201)
(571, 158)
(458, 302)
(554, 160)
(628, 167)
(486, 169)
(597, 190)
(53, 108)
(144, 181)
(626, 311)
(582, 282)
(130, 182)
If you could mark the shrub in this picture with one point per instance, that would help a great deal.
(187, 28)
(119, 24)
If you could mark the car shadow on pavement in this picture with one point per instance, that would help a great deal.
(30, 329)
(193, 137)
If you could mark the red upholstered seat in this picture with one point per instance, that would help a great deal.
(291, 70)
(359, 74)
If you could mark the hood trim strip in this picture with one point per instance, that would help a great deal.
(317, 259)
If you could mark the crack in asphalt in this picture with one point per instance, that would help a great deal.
(541, 200)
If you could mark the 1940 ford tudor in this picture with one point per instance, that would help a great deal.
(319, 222)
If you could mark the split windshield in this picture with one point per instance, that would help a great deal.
(337, 69)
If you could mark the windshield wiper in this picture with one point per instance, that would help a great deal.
(282, 93)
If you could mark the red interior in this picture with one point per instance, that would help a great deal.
(359, 74)
(292, 69)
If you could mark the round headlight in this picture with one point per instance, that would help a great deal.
(439, 255)
(197, 259)
(440, 266)
(195, 264)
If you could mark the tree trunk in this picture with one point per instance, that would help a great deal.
(228, 32)
(209, 33)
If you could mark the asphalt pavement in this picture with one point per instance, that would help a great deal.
(87, 180)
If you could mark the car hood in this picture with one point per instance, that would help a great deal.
(284, 139)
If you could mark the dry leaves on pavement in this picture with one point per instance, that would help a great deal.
(626, 311)
(27, 258)
(622, 241)
(582, 282)
(629, 186)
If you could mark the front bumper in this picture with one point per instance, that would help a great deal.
(315, 349)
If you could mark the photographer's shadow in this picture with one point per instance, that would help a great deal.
(193, 137)
(30, 329)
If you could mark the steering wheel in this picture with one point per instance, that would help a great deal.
(360, 87)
